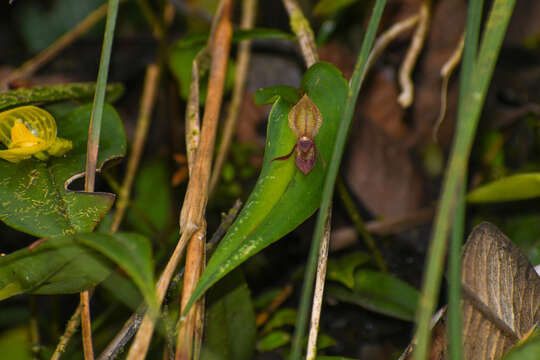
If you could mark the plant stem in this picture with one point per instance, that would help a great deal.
(333, 166)
(304, 33)
(71, 328)
(473, 101)
(242, 66)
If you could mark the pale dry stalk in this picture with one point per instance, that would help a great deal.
(302, 30)
(242, 66)
(151, 82)
(86, 326)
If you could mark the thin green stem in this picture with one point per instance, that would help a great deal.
(99, 97)
(333, 167)
(454, 179)
(360, 226)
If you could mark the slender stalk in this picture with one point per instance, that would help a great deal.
(360, 226)
(148, 98)
(333, 166)
(92, 153)
(46, 55)
(242, 66)
(71, 328)
(473, 101)
(304, 33)
(319, 291)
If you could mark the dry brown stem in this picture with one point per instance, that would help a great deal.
(304, 33)
(242, 66)
(276, 303)
(406, 97)
(151, 83)
(86, 326)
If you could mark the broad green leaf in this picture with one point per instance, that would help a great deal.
(342, 269)
(132, 252)
(327, 7)
(281, 318)
(54, 93)
(273, 341)
(526, 350)
(33, 194)
(15, 344)
(379, 292)
(199, 40)
(231, 329)
(269, 95)
(150, 209)
(283, 197)
(511, 188)
(69, 264)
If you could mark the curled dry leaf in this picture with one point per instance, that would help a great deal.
(501, 297)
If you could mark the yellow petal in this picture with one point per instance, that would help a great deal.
(21, 137)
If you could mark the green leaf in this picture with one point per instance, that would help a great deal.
(269, 95)
(69, 264)
(325, 341)
(511, 188)
(231, 329)
(333, 358)
(342, 269)
(54, 93)
(283, 197)
(133, 253)
(273, 341)
(281, 318)
(379, 292)
(150, 210)
(526, 350)
(524, 230)
(33, 194)
(15, 344)
(328, 7)
(199, 40)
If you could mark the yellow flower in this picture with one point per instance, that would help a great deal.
(30, 131)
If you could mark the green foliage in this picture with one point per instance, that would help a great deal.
(69, 264)
(342, 269)
(16, 344)
(511, 188)
(281, 318)
(379, 292)
(328, 7)
(270, 95)
(54, 93)
(231, 329)
(524, 231)
(33, 194)
(273, 340)
(526, 350)
(283, 197)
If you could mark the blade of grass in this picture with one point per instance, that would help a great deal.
(92, 153)
(454, 179)
(333, 166)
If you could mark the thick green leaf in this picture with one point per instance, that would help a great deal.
(379, 292)
(33, 194)
(283, 197)
(281, 318)
(273, 340)
(231, 329)
(132, 252)
(511, 188)
(527, 350)
(55, 93)
(150, 210)
(69, 264)
(269, 95)
(342, 269)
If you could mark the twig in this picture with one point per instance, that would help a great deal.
(194, 206)
(248, 19)
(405, 99)
(319, 291)
(446, 71)
(360, 226)
(86, 326)
(276, 302)
(32, 65)
(151, 82)
(194, 259)
(71, 328)
(304, 33)
(388, 36)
